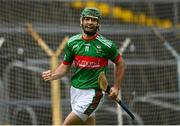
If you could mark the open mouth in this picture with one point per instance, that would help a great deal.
(89, 28)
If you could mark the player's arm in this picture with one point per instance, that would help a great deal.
(63, 68)
(59, 72)
(119, 70)
(119, 74)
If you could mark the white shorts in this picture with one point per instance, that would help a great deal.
(85, 102)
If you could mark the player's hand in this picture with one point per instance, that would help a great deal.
(114, 92)
(47, 75)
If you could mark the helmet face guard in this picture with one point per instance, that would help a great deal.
(91, 12)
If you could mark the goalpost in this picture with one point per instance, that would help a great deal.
(55, 84)
(151, 84)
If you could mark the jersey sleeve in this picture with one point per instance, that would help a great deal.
(113, 54)
(69, 56)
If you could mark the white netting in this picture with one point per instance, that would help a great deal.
(152, 79)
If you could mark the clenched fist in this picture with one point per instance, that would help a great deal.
(47, 75)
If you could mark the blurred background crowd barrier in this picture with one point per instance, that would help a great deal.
(151, 87)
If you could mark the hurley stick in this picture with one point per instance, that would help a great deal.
(105, 87)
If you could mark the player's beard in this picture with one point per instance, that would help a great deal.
(90, 32)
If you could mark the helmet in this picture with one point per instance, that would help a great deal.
(91, 12)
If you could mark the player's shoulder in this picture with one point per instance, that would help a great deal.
(73, 38)
(105, 41)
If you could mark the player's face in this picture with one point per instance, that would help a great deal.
(90, 25)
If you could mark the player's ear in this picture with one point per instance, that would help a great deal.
(80, 21)
(98, 26)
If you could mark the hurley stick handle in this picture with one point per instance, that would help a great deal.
(121, 103)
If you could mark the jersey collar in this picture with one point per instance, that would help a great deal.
(91, 38)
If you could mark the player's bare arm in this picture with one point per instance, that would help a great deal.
(119, 74)
(59, 72)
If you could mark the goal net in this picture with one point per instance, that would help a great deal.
(151, 86)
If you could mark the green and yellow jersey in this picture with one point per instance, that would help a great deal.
(89, 57)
